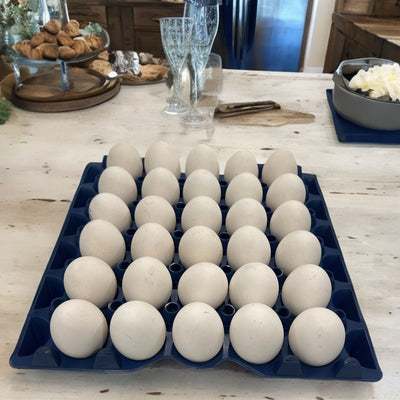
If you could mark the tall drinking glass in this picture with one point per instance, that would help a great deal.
(205, 15)
(175, 37)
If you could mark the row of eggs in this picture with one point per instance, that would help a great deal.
(101, 239)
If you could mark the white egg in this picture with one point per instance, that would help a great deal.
(137, 330)
(297, 248)
(292, 215)
(126, 156)
(204, 282)
(256, 333)
(100, 238)
(198, 332)
(147, 279)
(153, 240)
(78, 328)
(112, 208)
(200, 244)
(161, 182)
(317, 336)
(201, 182)
(246, 211)
(202, 210)
(92, 279)
(248, 244)
(253, 283)
(241, 161)
(162, 154)
(118, 181)
(202, 157)
(285, 187)
(242, 186)
(155, 209)
(280, 162)
(306, 287)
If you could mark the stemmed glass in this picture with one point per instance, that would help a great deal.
(175, 37)
(205, 16)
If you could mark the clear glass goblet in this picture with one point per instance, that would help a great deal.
(175, 37)
(206, 17)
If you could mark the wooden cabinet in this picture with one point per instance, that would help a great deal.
(131, 24)
(363, 28)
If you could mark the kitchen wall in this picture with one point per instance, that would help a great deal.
(318, 35)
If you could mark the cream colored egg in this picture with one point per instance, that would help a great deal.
(241, 161)
(155, 209)
(280, 162)
(248, 244)
(204, 282)
(202, 210)
(78, 328)
(297, 248)
(253, 283)
(306, 287)
(201, 182)
(256, 333)
(286, 187)
(292, 215)
(162, 154)
(153, 240)
(100, 238)
(242, 186)
(92, 279)
(112, 208)
(198, 332)
(317, 336)
(246, 211)
(126, 156)
(161, 182)
(200, 244)
(147, 279)
(118, 181)
(137, 330)
(202, 157)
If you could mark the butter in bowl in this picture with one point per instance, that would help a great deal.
(367, 93)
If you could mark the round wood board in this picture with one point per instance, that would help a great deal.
(51, 99)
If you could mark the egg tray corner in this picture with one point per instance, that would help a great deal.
(36, 350)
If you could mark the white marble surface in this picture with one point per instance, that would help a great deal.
(42, 157)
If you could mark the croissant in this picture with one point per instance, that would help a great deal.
(48, 50)
(53, 26)
(66, 53)
(37, 39)
(49, 38)
(72, 28)
(64, 39)
(80, 47)
(93, 41)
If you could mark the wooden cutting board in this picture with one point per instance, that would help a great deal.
(275, 117)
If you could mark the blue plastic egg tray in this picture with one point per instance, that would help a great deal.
(36, 350)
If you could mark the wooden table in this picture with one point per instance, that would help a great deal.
(42, 157)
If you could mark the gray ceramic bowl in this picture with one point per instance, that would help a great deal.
(359, 108)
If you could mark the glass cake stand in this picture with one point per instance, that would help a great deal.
(34, 66)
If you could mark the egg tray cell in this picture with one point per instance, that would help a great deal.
(36, 350)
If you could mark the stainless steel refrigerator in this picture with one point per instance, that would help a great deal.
(261, 34)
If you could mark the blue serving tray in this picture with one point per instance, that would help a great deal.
(347, 131)
(36, 350)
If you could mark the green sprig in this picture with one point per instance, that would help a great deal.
(5, 110)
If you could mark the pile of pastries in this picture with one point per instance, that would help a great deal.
(57, 41)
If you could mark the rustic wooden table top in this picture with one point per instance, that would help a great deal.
(42, 157)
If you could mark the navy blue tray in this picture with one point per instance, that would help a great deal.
(36, 350)
(346, 131)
